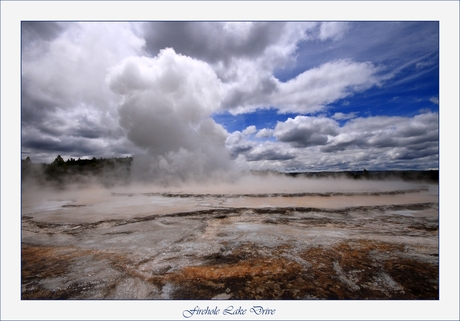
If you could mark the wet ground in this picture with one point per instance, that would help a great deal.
(367, 243)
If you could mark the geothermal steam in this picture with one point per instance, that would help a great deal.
(166, 110)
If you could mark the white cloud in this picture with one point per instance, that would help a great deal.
(391, 137)
(264, 133)
(238, 145)
(269, 153)
(71, 70)
(243, 55)
(435, 100)
(342, 116)
(250, 84)
(250, 130)
(309, 92)
(333, 30)
(64, 90)
(315, 88)
(424, 110)
(423, 64)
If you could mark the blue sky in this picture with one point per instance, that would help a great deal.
(402, 48)
(297, 95)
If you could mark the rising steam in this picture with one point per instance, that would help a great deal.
(166, 108)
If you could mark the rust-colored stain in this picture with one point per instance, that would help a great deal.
(398, 262)
(264, 278)
(45, 261)
(355, 270)
(359, 269)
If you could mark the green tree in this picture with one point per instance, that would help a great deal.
(58, 161)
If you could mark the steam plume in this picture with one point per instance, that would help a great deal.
(166, 108)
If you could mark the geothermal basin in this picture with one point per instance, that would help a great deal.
(257, 238)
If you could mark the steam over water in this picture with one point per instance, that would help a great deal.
(246, 239)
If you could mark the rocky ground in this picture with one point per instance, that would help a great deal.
(367, 245)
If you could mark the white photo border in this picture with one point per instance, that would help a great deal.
(13, 12)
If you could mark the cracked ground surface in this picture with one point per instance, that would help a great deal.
(379, 244)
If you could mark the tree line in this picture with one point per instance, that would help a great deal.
(108, 171)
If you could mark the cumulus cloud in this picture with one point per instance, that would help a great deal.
(72, 69)
(342, 116)
(317, 87)
(166, 108)
(379, 142)
(268, 154)
(303, 131)
(238, 145)
(65, 102)
(250, 130)
(245, 55)
(384, 131)
(264, 133)
(221, 43)
(309, 92)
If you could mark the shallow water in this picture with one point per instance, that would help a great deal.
(83, 205)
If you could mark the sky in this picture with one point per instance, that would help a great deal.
(190, 98)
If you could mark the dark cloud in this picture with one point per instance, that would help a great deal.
(35, 31)
(344, 145)
(235, 151)
(304, 131)
(212, 41)
(86, 131)
(67, 146)
(34, 105)
(417, 154)
(33, 112)
(269, 155)
(44, 144)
